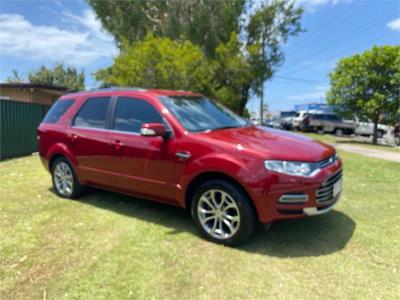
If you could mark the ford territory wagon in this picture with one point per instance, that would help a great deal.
(184, 149)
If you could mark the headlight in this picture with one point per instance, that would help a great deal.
(296, 168)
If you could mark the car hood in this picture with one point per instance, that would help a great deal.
(271, 143)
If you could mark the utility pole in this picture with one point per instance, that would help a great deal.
(262, 86)
(262, 103)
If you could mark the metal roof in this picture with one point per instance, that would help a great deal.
(32, 86)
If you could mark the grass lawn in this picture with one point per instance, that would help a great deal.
(108, 246)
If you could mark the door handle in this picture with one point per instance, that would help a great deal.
(117, 144)
(73, 137)
(183, 155)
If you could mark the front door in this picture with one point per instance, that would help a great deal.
(145, 164)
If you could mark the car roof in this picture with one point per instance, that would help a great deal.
(153, 92)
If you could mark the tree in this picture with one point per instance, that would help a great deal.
(59, 75)
(268, 29)
(161, 63)
(367, 84)
(233, 75)
(240, 40)
(206, 23)
(15, 77)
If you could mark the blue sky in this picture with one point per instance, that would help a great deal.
(44, 32)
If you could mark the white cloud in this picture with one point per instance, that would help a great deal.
(394, 25)
(317, 94)
(327, 64)
(79, 47)
(312, 4)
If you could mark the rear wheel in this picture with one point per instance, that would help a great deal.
(339, 132)
(65, 182)
(223, 213)
(380, 134)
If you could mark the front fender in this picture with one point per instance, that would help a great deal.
(235, 168)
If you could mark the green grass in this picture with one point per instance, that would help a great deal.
(351, 141)
(108, 246)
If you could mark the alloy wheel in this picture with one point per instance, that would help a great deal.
(63, 179)
(218, 214)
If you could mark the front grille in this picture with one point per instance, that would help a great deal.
(327, 162)
(325, 192)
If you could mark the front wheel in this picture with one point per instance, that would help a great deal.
(223, 213)
(65, 182)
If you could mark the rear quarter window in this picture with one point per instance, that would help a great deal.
(57, 110)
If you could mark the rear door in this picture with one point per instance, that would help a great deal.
(145, 164)
(89, 140)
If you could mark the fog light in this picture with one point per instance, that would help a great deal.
(293, 198)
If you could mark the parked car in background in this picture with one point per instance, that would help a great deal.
(298, 119)
(273, 123)
(186, 150)
(286, 119)
(365, 127)
(329, 123)
(254, 121)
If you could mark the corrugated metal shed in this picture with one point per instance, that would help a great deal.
(18, 124)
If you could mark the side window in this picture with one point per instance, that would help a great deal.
(333, 118)
(57, 110)
(93, 113)
(131, 113)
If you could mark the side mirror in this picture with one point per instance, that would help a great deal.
(154, 129)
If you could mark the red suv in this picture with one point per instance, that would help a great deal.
(184, 149)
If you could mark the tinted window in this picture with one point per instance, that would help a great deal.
(201, 114)
(131, 113)
(285, 114)
(57, 110)
(318, 117)
(332, 118)
(93, 113)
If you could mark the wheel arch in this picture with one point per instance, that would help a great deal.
(53, 158)
(214, 175)
(60, 150)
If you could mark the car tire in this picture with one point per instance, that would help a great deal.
(223, 213)
(339, 132)
(65, 182)
(380, 134)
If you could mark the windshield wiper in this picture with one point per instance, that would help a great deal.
(225, 127)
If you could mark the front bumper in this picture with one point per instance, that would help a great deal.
(288, 197)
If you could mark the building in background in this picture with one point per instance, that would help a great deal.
(22, 108)
(31, 93)
(314, 106)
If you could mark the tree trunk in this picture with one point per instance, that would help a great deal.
(243, 100)
(375, 135)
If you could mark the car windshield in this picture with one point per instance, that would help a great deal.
(198, 113)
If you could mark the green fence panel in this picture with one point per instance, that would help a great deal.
(18, 124)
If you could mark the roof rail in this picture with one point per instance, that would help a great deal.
(119, 88)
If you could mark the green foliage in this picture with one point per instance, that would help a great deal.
(268, 29)
(205, 23)
(230, 68)
(59, 75)
(233, 75)
(15, 77)
(368, 84)
(161, 63)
